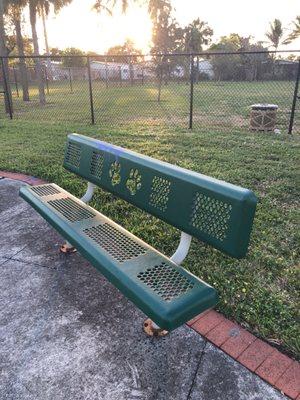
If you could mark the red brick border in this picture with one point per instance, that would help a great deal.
(259, 357)
(31, 180)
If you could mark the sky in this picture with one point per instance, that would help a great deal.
(78, 26)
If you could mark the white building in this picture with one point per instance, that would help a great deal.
(117, 71)
(204, 67)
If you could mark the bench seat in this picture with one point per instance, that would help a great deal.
(164, 291)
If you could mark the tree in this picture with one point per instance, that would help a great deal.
(252, 63)
(275, 34)
(165, 40)
(4, 61)
(70, 61)
(226, 67)
(295, 34)
(107, 5)
(195, 35)
(35, 7)
(14, 10)
(55, 54)
(42, 13)
(238, 66)
(12, 47)
(122, 52)
(165, 29)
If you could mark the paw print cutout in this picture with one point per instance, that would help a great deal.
(115, 173)
(133, 183)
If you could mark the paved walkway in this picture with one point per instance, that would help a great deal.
(66, 333)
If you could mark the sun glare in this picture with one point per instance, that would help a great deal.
(79, 26)
(98, 32)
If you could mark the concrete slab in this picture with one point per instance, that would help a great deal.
(19, 231)
(221, 377)
(9, 189)
(67, 333)
(20, 224)
(54, 346)
(2, 260)
(43, 251)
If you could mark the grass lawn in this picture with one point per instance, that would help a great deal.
(223, 105)
(261, 291)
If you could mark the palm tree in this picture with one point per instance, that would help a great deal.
(14, 11)
(197, 34)
(275, 34)
(101, 5)
(4, 61)
(35, 7)
(157, 7)
(42, 13)
(295, 34)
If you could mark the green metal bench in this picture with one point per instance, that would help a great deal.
(213, 211)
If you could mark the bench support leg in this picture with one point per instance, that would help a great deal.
(67, 248)
(183, 248)
(151, 329)
(89, 193)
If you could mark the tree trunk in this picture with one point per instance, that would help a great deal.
(22, 63)
(49, 66)
(38, 65)
(273, 62)
(5, 70)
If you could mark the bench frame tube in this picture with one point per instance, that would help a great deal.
(85, 198)
(182, 249)
(89, 193)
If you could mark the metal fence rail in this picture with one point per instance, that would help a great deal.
(205, 91)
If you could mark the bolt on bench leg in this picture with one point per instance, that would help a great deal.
(67, 248)
(151, 329)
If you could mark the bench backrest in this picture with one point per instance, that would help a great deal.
(214, 211)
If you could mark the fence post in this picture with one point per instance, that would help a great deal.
(91, 90)
(106, 74)
(70, 80)
(191, 90)
(120, 74)
(294, 100)
(16, 80)
(7, 98)
(131, 72)
(47, 79)
(47, 84)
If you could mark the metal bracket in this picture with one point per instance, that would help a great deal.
(182, 249)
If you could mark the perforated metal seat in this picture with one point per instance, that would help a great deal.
(167, 293)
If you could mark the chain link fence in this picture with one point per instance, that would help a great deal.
(208, 91)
